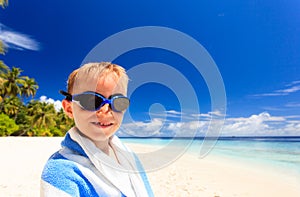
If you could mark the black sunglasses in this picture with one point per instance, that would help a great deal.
(92, 101)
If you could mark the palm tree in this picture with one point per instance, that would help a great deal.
(29, 87)
(23, 121)
(3, 70)
(1, 89)
(12, 82)
(63, 122)
(3, 67)
(3, 3)
(43, 114)
(2, 48)
(11, 106)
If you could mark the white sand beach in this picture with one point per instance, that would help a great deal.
(22, 160)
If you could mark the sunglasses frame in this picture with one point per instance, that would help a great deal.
(109, 100)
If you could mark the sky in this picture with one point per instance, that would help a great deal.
(251, 80)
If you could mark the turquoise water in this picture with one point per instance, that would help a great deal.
(276, 153)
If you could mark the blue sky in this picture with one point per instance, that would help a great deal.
(254, 44)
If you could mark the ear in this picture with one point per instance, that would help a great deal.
(67, 105)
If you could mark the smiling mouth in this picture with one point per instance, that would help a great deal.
(102, 125)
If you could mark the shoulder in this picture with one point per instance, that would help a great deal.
(65, 175)
(58, 169)
(58, 163)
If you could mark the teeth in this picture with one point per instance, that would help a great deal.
(103, 124)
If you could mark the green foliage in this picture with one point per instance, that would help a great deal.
(33, 119)
(3, 67)
(43, 114)
(3, 3)
(23, 120)
(29, 87)
(18, 119)
(35, 131)
(2, 48)
(12, 82)
(7, 125)
(11, 106)
(57, 132)
(63, 122)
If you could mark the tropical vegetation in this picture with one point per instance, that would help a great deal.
(3, 3)
(20, 113)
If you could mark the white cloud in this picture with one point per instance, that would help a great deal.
(188, 129)
(188, 116)
(142, 129)
(292, 104)
(16, 40)
(262, 124)
(57, 104)
(292, 87)
(293, 83)
(293, 117)
(174, 112)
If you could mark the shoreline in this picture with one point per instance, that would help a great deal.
(211, 176)
(220, 176)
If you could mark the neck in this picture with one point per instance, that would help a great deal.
(102, 145)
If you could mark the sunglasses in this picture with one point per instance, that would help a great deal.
(92, 101)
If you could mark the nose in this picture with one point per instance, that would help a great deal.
(104, 109)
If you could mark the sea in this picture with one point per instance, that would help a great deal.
(276, 153)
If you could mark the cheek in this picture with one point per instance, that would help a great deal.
(119, 117)
(78, 119)
(79, 114)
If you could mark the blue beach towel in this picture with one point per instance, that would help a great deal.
(79, 168)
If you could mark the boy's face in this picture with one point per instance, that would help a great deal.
(101, 124)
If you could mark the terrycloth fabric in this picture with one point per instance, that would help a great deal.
(81, 169)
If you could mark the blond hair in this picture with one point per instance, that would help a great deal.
(95, 70)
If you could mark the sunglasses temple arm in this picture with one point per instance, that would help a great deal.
(66, 94)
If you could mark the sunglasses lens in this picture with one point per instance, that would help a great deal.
(93, 102)
(120, 103)
(89, 102)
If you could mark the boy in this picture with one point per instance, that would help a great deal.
(92, 160)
